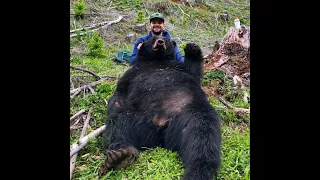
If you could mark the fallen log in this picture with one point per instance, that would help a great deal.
(84, 141)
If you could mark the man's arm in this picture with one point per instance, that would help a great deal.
(179, 55)
(134, 52)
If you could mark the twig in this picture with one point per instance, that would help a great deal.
(83, 132)
(242, 110)
(85, 70)
(87, 75)
(77, 114)
(91, 89)
(240, 113)
(74, 127)
(90, 84)
(183, 11)
(225, 103)
(72, 85)
(145, 8)
(79, 89)
(76, 147)
(75, 94)
(94, 19)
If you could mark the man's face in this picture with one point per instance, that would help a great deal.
(156, 26)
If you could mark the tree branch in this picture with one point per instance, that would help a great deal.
(71, 83)
(84, 141)
(83, 132)
(103, 25)
(238, 111)
(79, 89)
(85, 70)
(183, 11)
(77, 114)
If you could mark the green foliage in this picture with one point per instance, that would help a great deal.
(156, 164)
(215, 74)
(138, 4)
(172, 20)
(80, 8)
(96, 46)
(181, 47)
(125, 5)
(235, 153)
(140, 17)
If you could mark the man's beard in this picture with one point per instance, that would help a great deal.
(156, 32)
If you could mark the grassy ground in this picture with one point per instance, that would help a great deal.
(94, 51)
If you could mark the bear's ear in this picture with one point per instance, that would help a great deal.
(174, 43)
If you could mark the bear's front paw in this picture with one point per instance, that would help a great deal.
(192, 49)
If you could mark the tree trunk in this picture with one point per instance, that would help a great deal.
(232, 54)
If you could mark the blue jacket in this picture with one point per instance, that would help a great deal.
(179, 56)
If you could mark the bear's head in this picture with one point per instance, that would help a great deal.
(157, 49)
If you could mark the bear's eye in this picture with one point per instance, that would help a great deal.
(174, 43)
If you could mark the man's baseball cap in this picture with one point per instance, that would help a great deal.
(156, 15)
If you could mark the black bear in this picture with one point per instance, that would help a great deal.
(159, 102)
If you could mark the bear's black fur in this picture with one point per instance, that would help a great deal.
(160, 102)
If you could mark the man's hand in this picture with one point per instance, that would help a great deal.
(139, 45)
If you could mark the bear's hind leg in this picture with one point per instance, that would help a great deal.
(120, 144)
(125, 134)
(198, 145)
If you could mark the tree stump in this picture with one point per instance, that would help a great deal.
(232, 54)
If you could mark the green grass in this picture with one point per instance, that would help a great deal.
(202, 27)
(235, 154)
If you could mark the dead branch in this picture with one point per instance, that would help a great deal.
(71, 83)
(101, 25)
(183, 11)
(85, 70)
(242, 110)
(145, 8)
(91, 89)
(93, 26)
(225, 103)
(76, 93)
(77, 114)
(113, 22)
(238, 111)
(83, 132)
(79, 89)
(76, 147)
(94, 19)
(87, 75)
